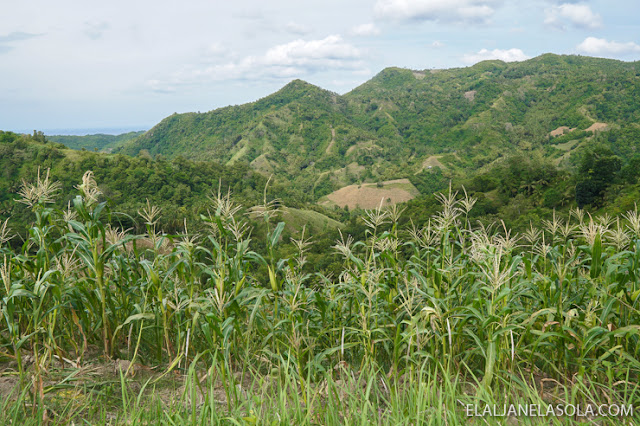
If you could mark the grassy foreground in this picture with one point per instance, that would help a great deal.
(103, 327)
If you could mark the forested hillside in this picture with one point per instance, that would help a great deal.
(181, 190)
(403, 121)
(524, 139)
(180, 187)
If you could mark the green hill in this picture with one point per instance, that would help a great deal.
(313, 222)
(181, 188)
(401, 121)
(289, 134)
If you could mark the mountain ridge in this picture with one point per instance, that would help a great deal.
(391, 125)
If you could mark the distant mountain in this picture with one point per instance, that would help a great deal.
(96, 142)
(404, 121)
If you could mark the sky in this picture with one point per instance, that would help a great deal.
(71, 64)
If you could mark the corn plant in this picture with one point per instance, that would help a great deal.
(418, 319)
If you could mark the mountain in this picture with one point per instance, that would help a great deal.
(404, 121)
(491, 108)
(291, 133)
(95, 142)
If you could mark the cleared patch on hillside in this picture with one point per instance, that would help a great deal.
(360, 147)
(596, 127)
(563, 159)
(586, 113)
(297, 219)
(561, 131)
(345, 175)
(567, 145)
(369, 195)
(568, 148)
(499, 104)
(490, 165)
(433, 161)
(470, 95)
(315, 222)
(239, 154)
(262, 165)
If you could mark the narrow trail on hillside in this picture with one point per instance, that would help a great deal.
(333, 141)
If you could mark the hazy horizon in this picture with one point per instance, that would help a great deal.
(84, 131)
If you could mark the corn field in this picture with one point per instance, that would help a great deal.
(421, 321)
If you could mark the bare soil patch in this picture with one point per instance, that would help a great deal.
(470, 95)
(369, 195)
(596, 127)
(561, 131)
(8, 385)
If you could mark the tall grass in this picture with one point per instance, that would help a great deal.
(419, 323)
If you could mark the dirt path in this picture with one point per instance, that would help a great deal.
(333, 141)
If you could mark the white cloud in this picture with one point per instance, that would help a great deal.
(578, 15)
(600, 46)
(330, 52)
(365, 30)
(436, 10)
(437, 44)
(285, 61)
(507, 55)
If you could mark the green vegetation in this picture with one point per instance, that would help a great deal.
(199, 281)
(429, 181)
(469, 118)
(421, 321)
(97, 142)
(314, 222)
(180, 187)
(597, 171)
